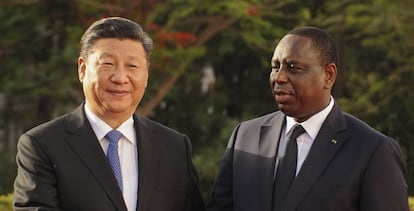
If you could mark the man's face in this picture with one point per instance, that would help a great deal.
(114, 77)
(300, 84)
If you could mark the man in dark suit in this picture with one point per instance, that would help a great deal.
(62, 164)
(335, 163)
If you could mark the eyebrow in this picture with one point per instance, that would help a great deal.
(110, 55)
(286, 61)
(104, 55)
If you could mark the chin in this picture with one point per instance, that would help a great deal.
(287, 110)
(117, 108)
(283, 107)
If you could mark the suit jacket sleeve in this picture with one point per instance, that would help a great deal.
(35, 184)
(222, 192)
(384, 186)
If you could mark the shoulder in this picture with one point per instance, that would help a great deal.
(169, 141)
(267, 119)
(360, 128)
(161, 134)
(44, 138)
(58, 125)
(364, 137)
(354, 128)
(50, 127)
(153, 126)
(251, 129)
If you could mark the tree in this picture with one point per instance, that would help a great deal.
(44, 36)
(376, 65)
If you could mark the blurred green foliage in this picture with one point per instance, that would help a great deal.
(6, 202)
(7, 173)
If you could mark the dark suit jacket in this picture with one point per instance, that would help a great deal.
(61, 166)
(349, 167)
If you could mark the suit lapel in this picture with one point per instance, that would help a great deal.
(269, 139)
(83, 142)
(326, 145)
(148, 161)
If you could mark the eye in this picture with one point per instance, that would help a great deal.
(293, 68)
(132, 66)
(276, 66)
(106, 63)
(290, 66)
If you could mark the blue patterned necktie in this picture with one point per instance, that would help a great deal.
(112, 155)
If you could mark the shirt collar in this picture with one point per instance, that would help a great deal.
(313, 124)
(101, 128)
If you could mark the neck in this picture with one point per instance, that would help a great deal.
(113, 119)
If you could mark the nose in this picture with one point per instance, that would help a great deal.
(120, 75)
(279, 76)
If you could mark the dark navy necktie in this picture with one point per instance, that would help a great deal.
(286, 170)
(112, 155)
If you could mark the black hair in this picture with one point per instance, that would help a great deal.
(115, 27)
(321, 40)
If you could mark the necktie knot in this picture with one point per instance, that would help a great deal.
(113, 136)
(297, 131)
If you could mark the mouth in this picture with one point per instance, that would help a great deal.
(118, 93)
(278, 91)
(281, 92)
(283, 96)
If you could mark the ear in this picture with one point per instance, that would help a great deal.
(148, 73)
(81, 68)
(330, 75)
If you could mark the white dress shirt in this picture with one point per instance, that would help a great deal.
(305, 140)
(127, 150)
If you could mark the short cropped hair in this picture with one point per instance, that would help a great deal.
(322, 41)
(115, 27)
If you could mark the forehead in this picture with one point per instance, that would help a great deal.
(295, 48)
(114, 46)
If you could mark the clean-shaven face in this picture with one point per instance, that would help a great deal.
(299, 82)
(114, 77)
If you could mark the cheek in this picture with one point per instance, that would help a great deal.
(140, 80)
(308, 87)
(272, 77)
(272, 82)
(97, 81)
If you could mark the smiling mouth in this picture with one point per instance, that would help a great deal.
(117, 92)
